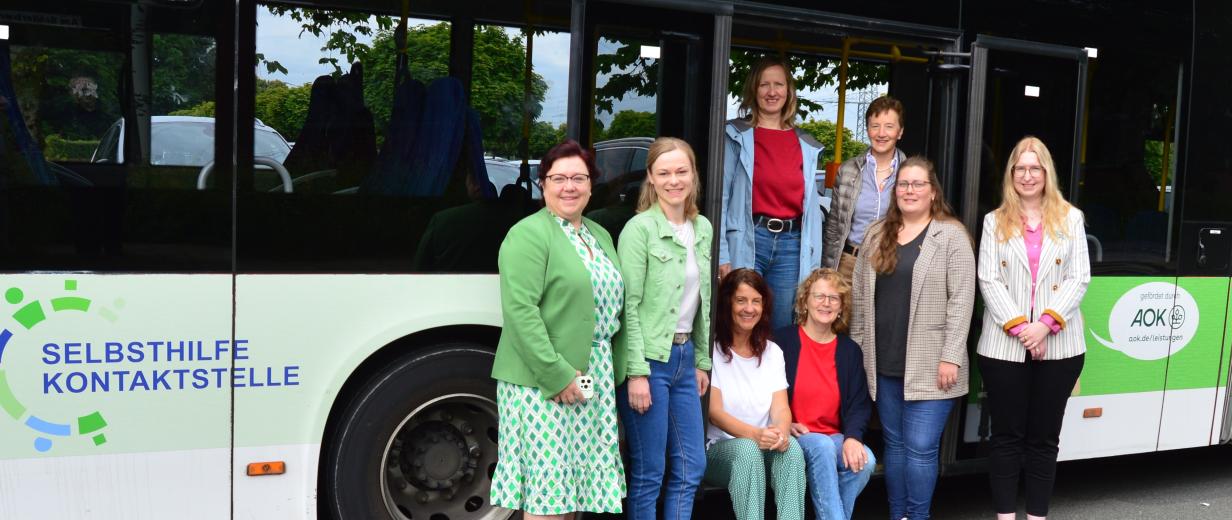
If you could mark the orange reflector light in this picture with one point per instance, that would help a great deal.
(257, 469)
(1091, 413)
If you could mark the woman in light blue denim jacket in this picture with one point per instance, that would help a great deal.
(771, 220)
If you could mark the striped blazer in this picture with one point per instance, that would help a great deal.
(1005, 282)
(942, 295)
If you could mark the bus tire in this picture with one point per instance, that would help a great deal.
(417, 441)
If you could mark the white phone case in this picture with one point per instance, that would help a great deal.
(587, 385)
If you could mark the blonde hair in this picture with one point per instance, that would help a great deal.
(648, 197)
(748, 95)
(1053, 206)
(840, 325)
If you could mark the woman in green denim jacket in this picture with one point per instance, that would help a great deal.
(665, 261)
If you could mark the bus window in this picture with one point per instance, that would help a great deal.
(816, 78)
(118, 124)
(67, 96)
(639, 73)
(519, 103)
(400, 162)
(877, 64)
(1130, 162)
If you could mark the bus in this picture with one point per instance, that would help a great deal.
(196, 326)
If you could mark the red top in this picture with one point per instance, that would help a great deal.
(815, 401)
(778, 182)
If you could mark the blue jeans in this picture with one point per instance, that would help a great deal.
(832, 487)
(912, 432)
(778, 261)
(672, 426)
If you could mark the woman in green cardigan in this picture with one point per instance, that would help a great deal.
(561, 298)
(665, 260)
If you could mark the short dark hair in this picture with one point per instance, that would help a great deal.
(568, 148)
(885, 104)
(723, 333)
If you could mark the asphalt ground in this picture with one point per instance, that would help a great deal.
(1181, 485)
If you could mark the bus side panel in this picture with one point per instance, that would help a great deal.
(1221, 405)
(115, 392)
(1195, 323)
(1123, 376)
(308, 334)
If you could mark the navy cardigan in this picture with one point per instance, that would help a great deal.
(855, 405)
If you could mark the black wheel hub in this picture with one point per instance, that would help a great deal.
(438, 464)
(441, 456)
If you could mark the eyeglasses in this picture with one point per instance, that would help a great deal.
(560, 179)
(1021, 171)
(834, 299)
(911, 185)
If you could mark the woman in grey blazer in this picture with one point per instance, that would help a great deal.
(914, 286)
(1033, 271)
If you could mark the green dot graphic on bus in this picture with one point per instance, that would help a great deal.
(28, 315)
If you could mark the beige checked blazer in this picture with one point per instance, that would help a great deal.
(942, 295)
(1005, 283)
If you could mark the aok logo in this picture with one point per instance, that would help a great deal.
(1151, 321)
(28, 315)
(1174, 317)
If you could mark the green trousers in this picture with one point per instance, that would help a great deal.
(741, 466)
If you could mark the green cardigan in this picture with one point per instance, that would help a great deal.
(548, 306)
(652, 264)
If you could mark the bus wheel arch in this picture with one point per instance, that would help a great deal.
(412, 433)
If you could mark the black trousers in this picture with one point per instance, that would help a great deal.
(1026, 403)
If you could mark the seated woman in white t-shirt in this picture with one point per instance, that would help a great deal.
(750, 420)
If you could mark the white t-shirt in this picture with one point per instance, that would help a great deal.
(748, 389)
(692, 286)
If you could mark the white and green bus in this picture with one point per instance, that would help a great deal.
(244, 277)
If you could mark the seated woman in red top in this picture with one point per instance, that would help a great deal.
(828, 393)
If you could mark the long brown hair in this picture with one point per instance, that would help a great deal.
(1053, 206)
(723, 325)
(885, 257)
(648, 197)
(840, 325)
(748, 94)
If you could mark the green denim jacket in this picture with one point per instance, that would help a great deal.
(652, 264)
(548, 306)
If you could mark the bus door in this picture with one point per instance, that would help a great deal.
(1019, 88)
(840, 64)
(1133, 395)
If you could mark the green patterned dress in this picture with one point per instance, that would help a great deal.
(555, 458)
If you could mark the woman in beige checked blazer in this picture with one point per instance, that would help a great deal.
(914, 286)
(1034, 271)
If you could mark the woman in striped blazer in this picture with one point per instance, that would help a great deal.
(914, 288)
(1033, 273)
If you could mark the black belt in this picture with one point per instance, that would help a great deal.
(776, 225)
(847, 248)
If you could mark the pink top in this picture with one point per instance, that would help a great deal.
(1034, 239)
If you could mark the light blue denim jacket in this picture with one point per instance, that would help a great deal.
(736, 244)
